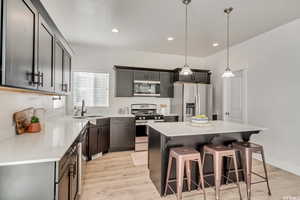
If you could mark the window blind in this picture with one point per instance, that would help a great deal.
(92, 87)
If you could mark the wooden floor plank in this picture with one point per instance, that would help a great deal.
(115, 177)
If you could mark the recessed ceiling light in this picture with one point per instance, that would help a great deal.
(115, 30)
(170, 38)
(215, 44)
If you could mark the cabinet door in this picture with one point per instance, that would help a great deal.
(74, 176)
(45, 57)
(166, 84)
(202, 77)
(67, 73)
(124, 83)
(21, 44)
(122, 134)
(63, 190)
(105, 137)
(140, 75)
(58, 68)
(93, 141)
(153, 76)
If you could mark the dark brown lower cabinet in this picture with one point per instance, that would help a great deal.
(105, 135)
(74, 174)
(171, 118)
(99, 137)
(122, 133)
(64, 182)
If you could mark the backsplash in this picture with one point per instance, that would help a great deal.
(13, 102)
(118, 105)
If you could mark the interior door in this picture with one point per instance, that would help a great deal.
(234, 98)
(21, 43)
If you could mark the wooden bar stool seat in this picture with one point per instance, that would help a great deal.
(184, 156)
(247, 149)
(219, 152)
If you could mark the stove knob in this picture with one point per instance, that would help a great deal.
(140, 118)
(144, 118)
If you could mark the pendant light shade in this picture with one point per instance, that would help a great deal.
(228, 73)
(186, 70)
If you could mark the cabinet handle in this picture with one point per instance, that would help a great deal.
(41, 79)
(74, 170)
(65, 87)
(32, 77)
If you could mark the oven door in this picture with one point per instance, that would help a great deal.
(146, 88)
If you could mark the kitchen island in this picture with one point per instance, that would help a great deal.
(163, 136)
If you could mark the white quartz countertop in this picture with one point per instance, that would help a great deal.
(173, 129)
(48, 146)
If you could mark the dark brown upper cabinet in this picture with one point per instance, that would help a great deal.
(67, 73)
(58, 68)
(198, 76)
(166, 84)
(145, 75)
(45, 57)
(20, 50)
(34, 54)
(124, 83)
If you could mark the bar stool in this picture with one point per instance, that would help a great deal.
(219, 152)
(247, 149)
(184, 156)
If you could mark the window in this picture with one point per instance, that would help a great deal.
(92, 87)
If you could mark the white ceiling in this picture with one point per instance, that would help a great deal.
(145, 24)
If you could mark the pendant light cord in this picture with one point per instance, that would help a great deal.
(228, 39)
(186, 33)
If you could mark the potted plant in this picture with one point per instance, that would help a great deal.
(34, 126)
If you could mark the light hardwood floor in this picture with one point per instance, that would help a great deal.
(115, 177)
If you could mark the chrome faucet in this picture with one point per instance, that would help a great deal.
(83, 110)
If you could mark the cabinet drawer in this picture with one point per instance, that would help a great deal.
(103, 122)
(123, 120)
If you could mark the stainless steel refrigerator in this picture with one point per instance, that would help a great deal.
(192, 99)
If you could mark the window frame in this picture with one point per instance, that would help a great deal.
(108, 89)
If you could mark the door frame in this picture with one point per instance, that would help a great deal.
(244, 96)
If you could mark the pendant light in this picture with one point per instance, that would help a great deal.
(228, 73)
(186, 70)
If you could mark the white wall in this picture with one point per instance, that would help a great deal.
(101, 59)
(273, 64)
(12, 102)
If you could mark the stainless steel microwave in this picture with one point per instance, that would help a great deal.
(146, 88)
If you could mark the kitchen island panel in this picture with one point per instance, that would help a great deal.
(158, 154)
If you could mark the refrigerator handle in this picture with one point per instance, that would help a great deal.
(196, 105)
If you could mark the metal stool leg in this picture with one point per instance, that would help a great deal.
(188, 174)
(237, 175)
(201, 178)
(168, 174)
(179, 177)
(266, 173)
(218, 161)
(248, 174)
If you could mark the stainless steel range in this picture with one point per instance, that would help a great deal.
(144, 113)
